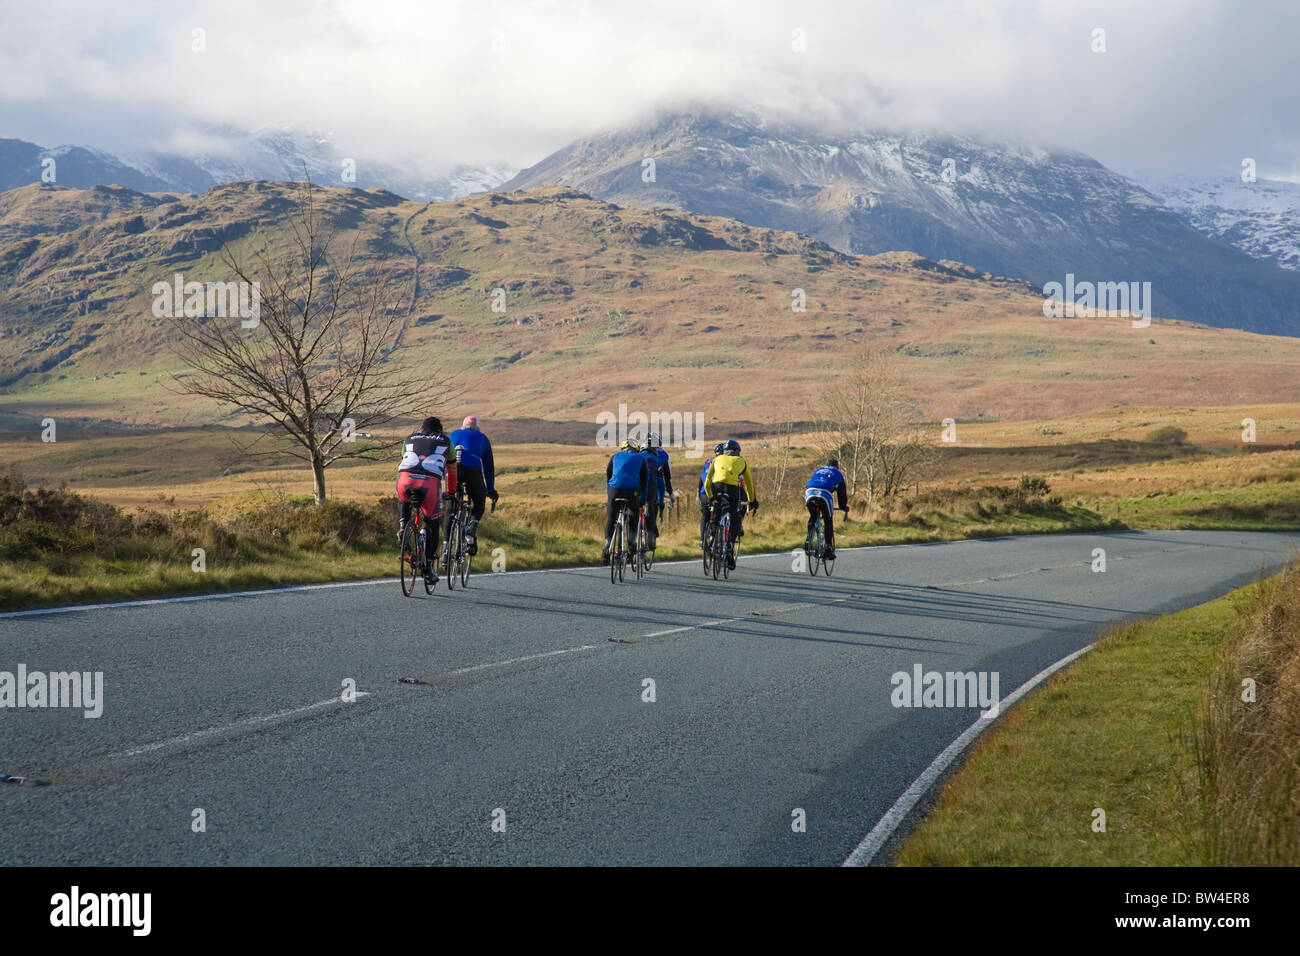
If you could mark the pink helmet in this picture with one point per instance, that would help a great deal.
(471, 421)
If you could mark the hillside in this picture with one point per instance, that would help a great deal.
(1009, 209)
(664, 310)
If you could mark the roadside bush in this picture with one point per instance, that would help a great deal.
(1167, 435)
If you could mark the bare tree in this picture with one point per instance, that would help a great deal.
(784, 434)
(319, 360)
(868, 423)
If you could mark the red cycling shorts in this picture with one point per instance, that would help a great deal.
(430, 485)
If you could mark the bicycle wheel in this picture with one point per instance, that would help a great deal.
(649, 556)
(410, 559)
(815, 552)
(447, 557)
(828, 565)
(728, 551)
(719, 550)
(707, 548)
(616, 551)
(641, 566)
(464, 558)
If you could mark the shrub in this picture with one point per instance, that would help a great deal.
(1167, 435)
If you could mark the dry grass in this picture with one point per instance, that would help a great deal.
(1248, 750)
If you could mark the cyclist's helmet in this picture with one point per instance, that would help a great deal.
(471, 421)
(717, 449)
(732, 447)
(431, 426)
(630, 444)
(654, 441)
(833, 463)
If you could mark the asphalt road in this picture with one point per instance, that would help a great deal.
(771, 694)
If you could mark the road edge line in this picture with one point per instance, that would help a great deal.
(873, 842)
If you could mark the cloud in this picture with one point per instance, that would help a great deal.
(1180, 85)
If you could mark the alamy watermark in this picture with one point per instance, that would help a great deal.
(676, 429)
(922, 688)
(37, 689)
(1125, 299)
(213, 300)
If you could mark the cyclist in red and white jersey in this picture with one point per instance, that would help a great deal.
(427, 460)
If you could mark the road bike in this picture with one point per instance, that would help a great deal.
(620, 542)
(642, 543)
(455, 557)
(720, 546)
(413, 550)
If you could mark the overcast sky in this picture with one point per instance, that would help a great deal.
(1190, 85)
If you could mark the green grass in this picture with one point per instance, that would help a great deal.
(1113, 731)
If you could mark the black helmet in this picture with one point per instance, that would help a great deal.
(732, 447)
(833, 463)
(717, 449)
(431, 426)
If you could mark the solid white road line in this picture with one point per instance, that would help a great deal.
(882, 831)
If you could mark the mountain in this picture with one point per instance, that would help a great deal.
(270, 155)
(1014, 210)
(1261, 218)
(604, 305)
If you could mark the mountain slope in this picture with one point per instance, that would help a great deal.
(272, 155)
(662, 310)
(1018, 211)
(1261, 218)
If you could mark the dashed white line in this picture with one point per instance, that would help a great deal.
(246, 723)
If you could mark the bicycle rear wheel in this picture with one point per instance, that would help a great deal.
(464, 558)
(828, 565)
(815, 553)
(410, 559)
(719, 551)
(616, 551)
(640, 549)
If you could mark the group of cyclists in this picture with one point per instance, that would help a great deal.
(463, 460)
(436, 466)
(641, 476)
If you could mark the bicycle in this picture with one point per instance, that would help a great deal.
(720, 543)
(814, 545)
(643, 544)
(619, 543)
(413, 550)
(455, 562)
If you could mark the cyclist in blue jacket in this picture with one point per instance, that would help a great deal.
(626, 476)
(477, 472)
(826, 481)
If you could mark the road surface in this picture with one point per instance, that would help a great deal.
(771, 695)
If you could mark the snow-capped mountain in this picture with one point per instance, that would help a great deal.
(1010, 209)
(273, 154)
(1261, 218)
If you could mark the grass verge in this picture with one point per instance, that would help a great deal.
(1150, 728)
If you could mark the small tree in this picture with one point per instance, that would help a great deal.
(322, 362)
(868, 423)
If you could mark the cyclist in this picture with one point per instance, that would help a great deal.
(725, 475)
(825, 481)
(426, 461)
(665, 470)
(626, 476)
(654, 488)
(699, 491)
(475, 471)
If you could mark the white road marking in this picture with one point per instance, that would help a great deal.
(882, 831)
(246, 723)
(519, 660)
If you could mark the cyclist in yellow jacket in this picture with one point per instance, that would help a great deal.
(724, 482)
